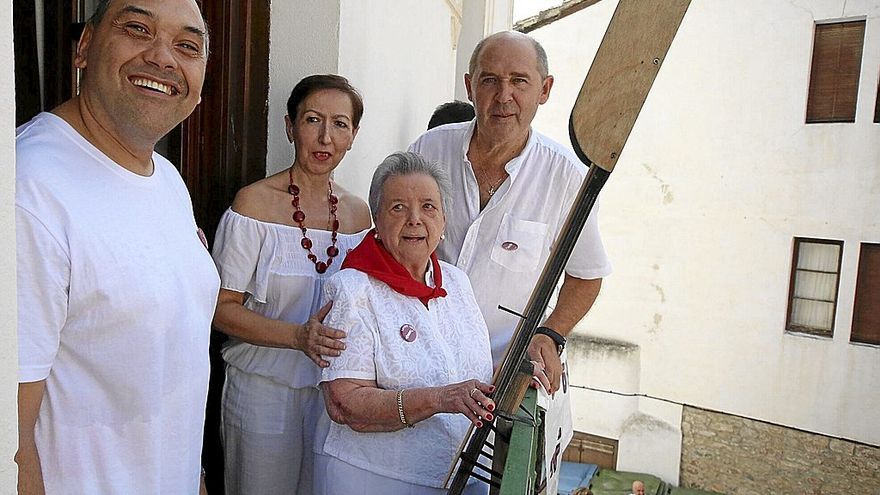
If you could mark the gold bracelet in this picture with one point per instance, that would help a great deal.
(400, 410)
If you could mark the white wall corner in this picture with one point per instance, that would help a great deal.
(455, 16)
(473, 18)
(649, 444)
(8, 324)
(480, 18)
(596, 367)
(499, 16)
(401, 58)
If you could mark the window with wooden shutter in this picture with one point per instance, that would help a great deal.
(815, 277)
(834, 76)
(866, 309)
(591, 449)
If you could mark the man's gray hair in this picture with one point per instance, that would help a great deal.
(408, 163)
(540, 54)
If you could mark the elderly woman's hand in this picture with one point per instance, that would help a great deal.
(469, 398)
(316, 340)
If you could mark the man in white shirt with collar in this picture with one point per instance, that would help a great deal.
(512, 190)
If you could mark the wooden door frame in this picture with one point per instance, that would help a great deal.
(223, 143)
(59, 17)
(222, 148)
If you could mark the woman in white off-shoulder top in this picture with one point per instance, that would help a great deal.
(275, 247)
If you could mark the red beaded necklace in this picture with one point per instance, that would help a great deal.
(299, 217)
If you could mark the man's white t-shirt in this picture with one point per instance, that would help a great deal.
(115, 299)
(504, 247)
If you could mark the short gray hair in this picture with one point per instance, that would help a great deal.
(408, 163)
(540, 53)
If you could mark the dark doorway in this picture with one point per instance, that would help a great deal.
(223, 147)
(58, 20)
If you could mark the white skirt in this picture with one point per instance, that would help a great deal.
(335, 477)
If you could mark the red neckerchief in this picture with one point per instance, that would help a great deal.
(371, 257)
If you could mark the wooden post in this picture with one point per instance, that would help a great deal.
(632, 51)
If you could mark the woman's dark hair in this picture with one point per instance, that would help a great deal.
(318, 82)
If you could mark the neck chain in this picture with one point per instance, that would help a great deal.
(493, 186)
(299, 217)
(492, 189)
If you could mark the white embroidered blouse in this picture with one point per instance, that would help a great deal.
(451, 345)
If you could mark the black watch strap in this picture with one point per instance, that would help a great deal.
(557, 339)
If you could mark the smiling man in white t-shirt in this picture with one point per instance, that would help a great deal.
(115, 289)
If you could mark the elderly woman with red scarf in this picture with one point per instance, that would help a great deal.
(417, 360)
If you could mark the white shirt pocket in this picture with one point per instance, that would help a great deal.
(519, 244)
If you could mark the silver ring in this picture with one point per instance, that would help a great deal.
(472, 392)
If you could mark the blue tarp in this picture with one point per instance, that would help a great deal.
(573, 475)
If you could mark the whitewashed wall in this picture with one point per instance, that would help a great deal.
(718, 176)
(481, 18)
(400, 54)
(9, 349)
(294, 55)
(471, 34)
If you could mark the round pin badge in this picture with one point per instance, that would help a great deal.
(509, 246)
(408, 333)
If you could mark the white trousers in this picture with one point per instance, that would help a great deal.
(268, 435)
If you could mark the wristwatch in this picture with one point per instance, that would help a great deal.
(557, 339)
